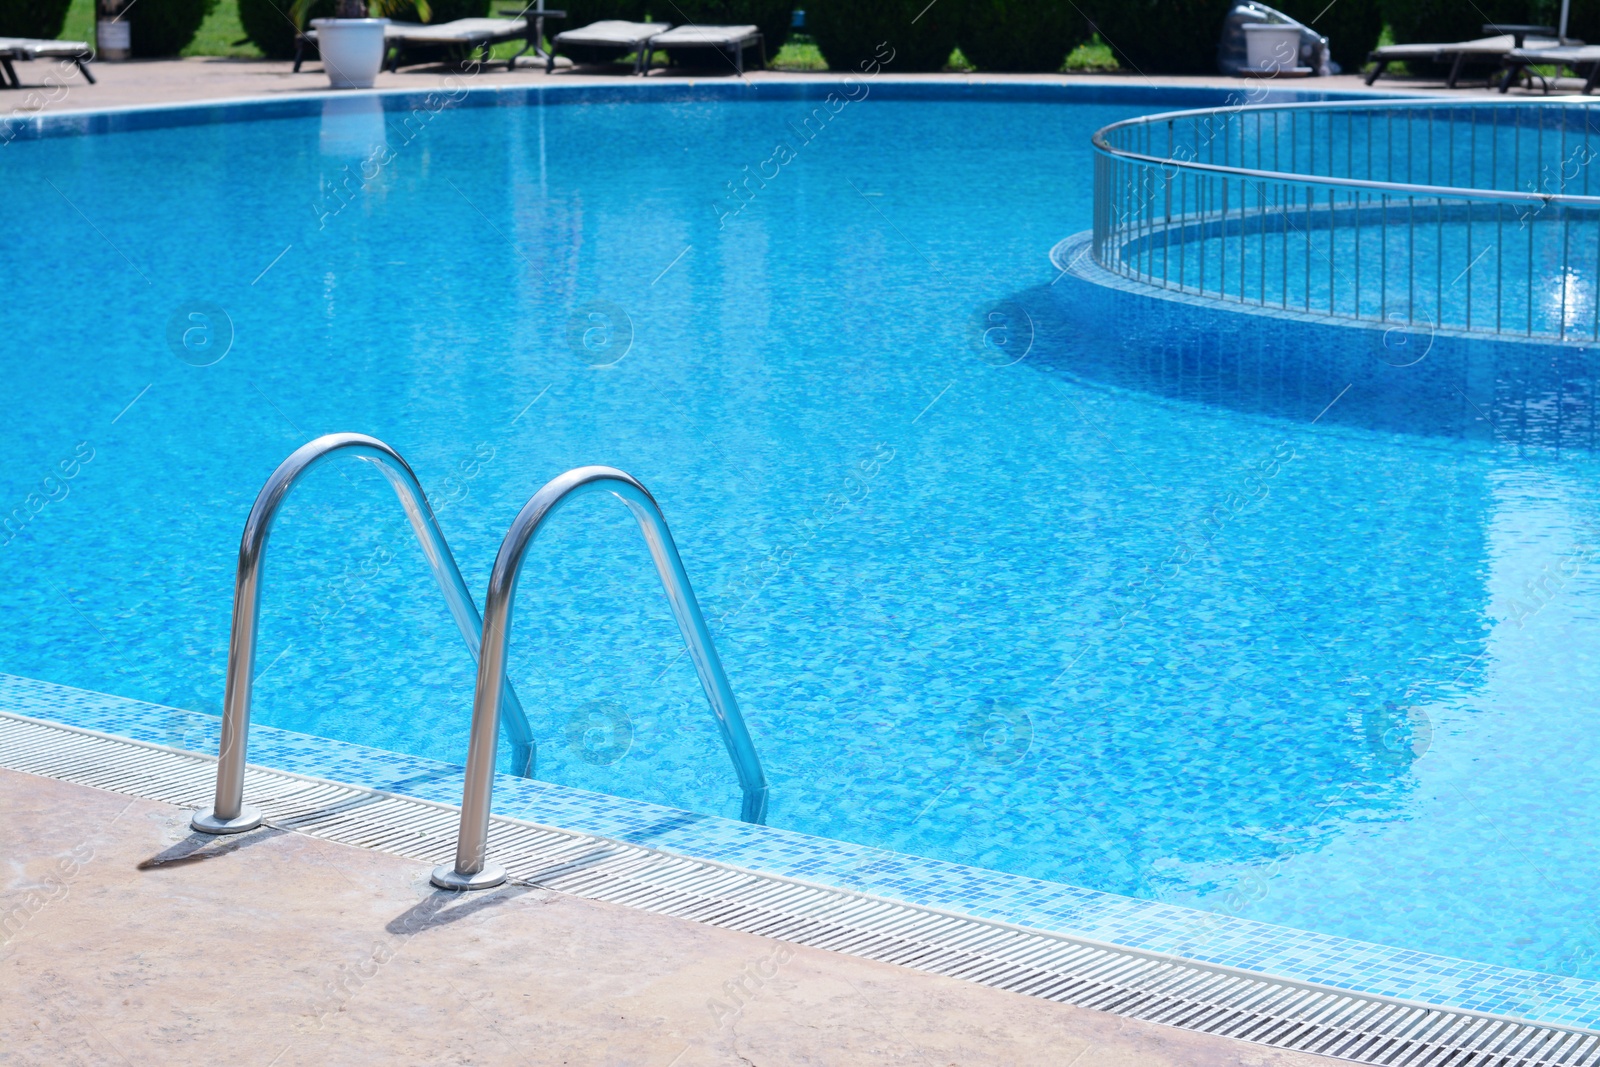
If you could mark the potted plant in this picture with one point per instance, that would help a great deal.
(351, 43)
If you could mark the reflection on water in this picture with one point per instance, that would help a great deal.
(1400, 378)
(352, 127)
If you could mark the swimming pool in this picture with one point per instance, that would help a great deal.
(951, 588)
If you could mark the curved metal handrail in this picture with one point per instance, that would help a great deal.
(1474, 216)
(229, 814)
(1450, 192)
(1101, 141)
(472, 869)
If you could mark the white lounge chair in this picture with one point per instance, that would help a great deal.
(610, 35)
(1576, 56)
(479, 34)
(731, 39)
(15, 48)
(1490, 51)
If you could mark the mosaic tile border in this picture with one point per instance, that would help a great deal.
(1073, 255)
(1025, 902)
(652, 90)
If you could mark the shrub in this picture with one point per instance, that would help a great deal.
(1449, 20)
(165, 27)
(442, 10)
(799, 53)
(1583, 21)
(1019, 35)
(582, 12)
(771, 17)
(849, 33)
(33, 18)
(1180, 36)
(1092, 56)
(269, 28)
(1162, 36)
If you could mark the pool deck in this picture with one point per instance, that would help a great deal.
(49, 88)
(124, 938)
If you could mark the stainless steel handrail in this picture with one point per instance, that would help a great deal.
(472, 869)
(1450, 192)
(1101, 141)
(1476, 216)
(228, 813)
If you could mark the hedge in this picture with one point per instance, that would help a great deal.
(1451, 20)
(165, 27)
(582, 12)
(1351, 26)
(447, 10)
(1162, 36)
(267, 24)
(849, 33)
(33, 18)
(1019, 35)
(1180, 36)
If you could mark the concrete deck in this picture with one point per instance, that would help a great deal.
(125, 939)
(49, 87)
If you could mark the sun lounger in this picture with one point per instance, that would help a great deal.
(472, 34)
(1490, 51)
(1576, 56)
(730, 39)
(609, 36)
(16, 48)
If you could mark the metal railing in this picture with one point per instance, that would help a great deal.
(472, 869)
(228, 813)
(1472, 215)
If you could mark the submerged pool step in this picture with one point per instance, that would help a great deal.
(1140, 985)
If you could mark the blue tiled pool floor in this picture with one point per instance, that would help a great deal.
(1027, 902)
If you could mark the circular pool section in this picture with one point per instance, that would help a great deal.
(1244, 646)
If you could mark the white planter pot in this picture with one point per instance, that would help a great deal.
(352, 50)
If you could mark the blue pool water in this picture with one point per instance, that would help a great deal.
(1073, 616)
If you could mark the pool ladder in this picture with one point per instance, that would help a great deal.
(488, 640)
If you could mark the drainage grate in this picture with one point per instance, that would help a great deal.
(1163, 989)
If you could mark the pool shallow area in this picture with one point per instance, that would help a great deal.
(1252, 645)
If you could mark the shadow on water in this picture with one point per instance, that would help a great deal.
(1250, 676)
(1398, 378)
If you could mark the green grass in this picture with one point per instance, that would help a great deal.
(799, 52)
(222, 34)
(80, 22)
(958, 63)
(1386, 38)
(1090, 56)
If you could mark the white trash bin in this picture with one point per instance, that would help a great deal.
(1272, 47)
